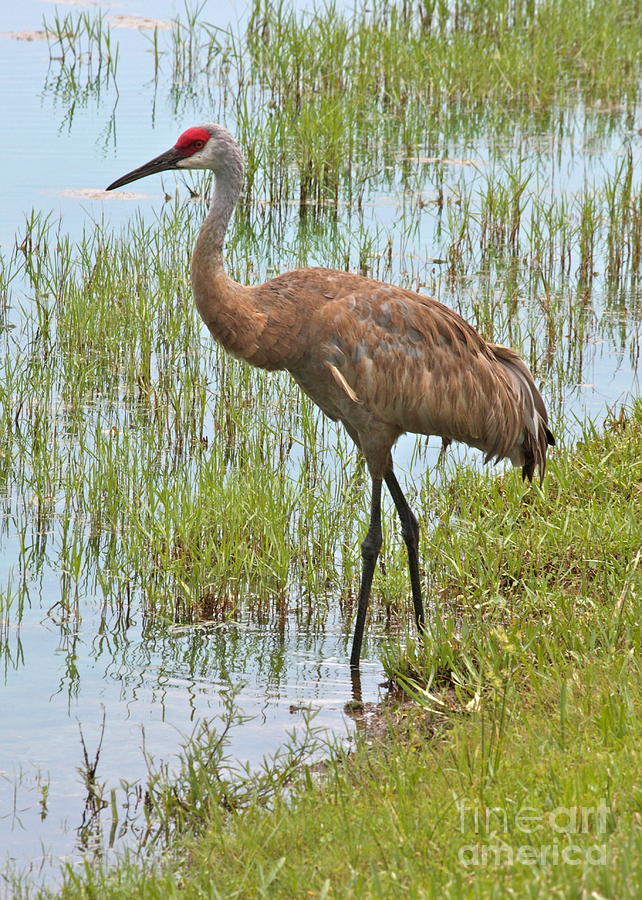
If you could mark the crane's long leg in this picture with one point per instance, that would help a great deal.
(369, 553)
(410, 532)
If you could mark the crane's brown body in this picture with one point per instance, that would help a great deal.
(381, 359)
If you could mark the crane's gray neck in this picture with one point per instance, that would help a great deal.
(227, 188)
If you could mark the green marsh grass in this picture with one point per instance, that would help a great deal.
(331, 98)
(527, 706)
(328, 103)
(81, 42)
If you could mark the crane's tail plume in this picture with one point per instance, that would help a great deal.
(536, 437)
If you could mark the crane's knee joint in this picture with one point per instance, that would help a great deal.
(371, 545)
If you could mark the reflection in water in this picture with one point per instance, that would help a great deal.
(355, 680)
(102, 696)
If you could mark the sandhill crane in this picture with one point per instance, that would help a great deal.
(380, 359)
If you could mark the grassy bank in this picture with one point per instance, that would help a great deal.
(517, 773)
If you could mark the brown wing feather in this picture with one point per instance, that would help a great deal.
(418, 366)
(537, 435)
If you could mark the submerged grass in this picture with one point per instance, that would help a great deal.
(520, 777)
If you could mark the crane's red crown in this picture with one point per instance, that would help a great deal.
(192, 140)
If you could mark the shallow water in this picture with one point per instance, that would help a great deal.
(61, 673)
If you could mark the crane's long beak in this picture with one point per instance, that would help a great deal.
(167, 160)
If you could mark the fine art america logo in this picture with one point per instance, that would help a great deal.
(559, 835)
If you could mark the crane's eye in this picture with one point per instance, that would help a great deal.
(198, 145)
